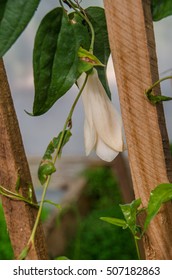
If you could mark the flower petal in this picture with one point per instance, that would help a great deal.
(104, 151)
(106, 119)
(103, 124)
(89, 136)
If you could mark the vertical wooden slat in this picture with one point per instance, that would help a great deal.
(20, 217)
(132, 44)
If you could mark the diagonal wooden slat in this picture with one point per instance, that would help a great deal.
(20, 217)
(132, 44)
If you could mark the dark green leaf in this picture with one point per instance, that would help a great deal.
(161, 9)
(14, 16)
(162, 193)
(55, 58)
(44, 55)
(130, 212)
(115, 221)
(81, 31)
(2, 8)
(45, 169)
(101, 47)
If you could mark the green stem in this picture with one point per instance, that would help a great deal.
(82, 14)
(32, 237)
(157, 83)
(8, 191)
(61, 3)
(137, 247)
(68, 119)
(92, 32)
(16, 196)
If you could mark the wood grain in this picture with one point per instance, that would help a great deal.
(133, 50)
(20, 217)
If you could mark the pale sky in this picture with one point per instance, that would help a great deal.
(38, 131)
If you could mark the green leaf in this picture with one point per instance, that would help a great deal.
(161, 9)
(97, 17)
(87, 60)
(154, 99)
(14, 16)
(43, 56)
(115, 221)
(45, 169)
(55, 142)
(46, 166)
(2, 8)
(162, 193)
(66, 138)
(130, 212)
(55, 57)
(61, 258)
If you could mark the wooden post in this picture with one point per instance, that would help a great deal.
(132, 44)
(20, 216)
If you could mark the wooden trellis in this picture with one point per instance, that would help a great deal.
(132, 44)
(20, 216)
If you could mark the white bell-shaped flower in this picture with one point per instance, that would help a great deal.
(103, 124)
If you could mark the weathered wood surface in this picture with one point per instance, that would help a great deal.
(19, 216)
(132, 44)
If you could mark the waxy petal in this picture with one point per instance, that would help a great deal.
(105, 152)
(105, 117)
(103, 125)
(89, 129)
(89, 136)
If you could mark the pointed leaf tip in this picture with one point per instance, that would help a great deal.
(161, 194)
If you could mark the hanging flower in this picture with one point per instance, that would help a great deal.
(103, 124)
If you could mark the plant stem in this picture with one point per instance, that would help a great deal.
(137, 247)
(68, 119)
(32, 237)
(61, 3)
(16, 196)
(157, 82)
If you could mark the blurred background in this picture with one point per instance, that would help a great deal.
(87, 187)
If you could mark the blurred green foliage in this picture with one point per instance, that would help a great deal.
(95, 239)
(6, 252)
